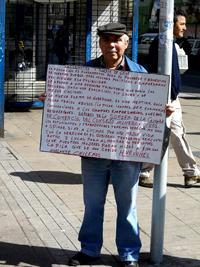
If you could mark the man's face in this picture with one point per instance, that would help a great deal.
(113, 46)
(180, 27)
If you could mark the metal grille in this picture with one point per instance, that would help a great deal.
(19, 65)
(110, 11)
(43, 32)
(38, 34)
(66, 23)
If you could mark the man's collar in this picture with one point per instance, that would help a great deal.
(119, 67)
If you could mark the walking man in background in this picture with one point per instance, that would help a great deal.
(179, 143)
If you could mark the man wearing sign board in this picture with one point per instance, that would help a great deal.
(96, 172)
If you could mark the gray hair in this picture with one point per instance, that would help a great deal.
(125, 37)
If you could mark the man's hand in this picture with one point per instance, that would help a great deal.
(42, 97)
(169, 109)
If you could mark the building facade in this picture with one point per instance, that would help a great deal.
(42, 32)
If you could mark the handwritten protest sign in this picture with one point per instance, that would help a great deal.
(103, 113)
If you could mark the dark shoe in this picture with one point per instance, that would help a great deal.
(81, 259)
(189, 181)
(146, 181)
(129, 264)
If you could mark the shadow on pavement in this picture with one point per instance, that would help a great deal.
(54, 177)
(193, 133)
(169, 261)
(14, 254)
(182, 186)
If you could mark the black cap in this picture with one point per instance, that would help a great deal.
(112, 28)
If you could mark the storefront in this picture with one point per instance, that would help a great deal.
(38, 34)
(43, 32)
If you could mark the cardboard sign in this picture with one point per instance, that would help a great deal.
(104, 113)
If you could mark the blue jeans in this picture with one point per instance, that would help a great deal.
(96, 175)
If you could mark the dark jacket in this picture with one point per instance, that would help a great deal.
(153, 67)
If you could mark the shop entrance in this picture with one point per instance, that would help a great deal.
(42, 32)
(38, 34)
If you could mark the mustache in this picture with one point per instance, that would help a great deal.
(112, 50)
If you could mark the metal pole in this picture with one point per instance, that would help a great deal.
(88, 46)
(2, 62)
(160, 175)
(135, 30)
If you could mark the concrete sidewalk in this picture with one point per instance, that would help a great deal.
(41, 202)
